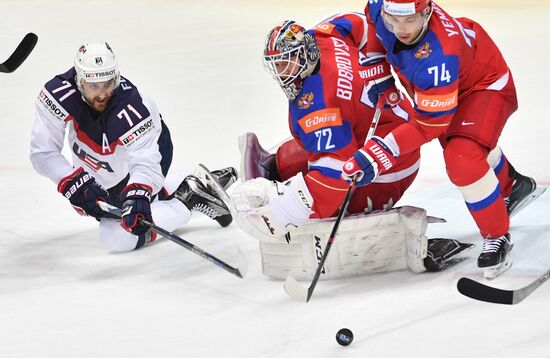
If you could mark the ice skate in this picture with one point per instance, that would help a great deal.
(442, 253)
(225, 177)
(197, 197)
(256, 162)
(524, 192)
(495, 256)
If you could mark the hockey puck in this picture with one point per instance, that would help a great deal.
(344, 337)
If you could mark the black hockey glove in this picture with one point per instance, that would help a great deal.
(83, 192)
(136, 207)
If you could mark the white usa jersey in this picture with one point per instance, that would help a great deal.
(123, 140)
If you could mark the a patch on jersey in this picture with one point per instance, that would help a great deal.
(436, 103)
(306, 100)
(325, 27)
(52, 106)
(131, 137)
(329, 117)
(423, 52)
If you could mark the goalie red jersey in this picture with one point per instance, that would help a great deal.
(330, 118)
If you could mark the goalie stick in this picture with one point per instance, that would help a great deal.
(178, 240)
(20, 54)
(481, 292)
(292, 287)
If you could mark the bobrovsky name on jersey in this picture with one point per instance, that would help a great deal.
(345, 71)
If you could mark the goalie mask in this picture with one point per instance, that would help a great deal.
(407, 19)
(290, 55)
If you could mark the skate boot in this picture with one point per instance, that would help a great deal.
(226, 177)
(256, 162)
(197, 197)
(442, 253)
(524, 191)
(495, 256)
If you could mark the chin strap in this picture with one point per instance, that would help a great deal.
(424, 27)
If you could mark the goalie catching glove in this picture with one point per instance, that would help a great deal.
(136, 207)
(82, 191)
(368, 162)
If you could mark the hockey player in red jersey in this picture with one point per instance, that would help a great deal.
(463, 94)
(121, 152)
(330, 113)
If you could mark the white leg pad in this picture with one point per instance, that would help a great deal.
(366, 243)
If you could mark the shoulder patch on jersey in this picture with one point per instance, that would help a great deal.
(325, 27)
(53, 107)
(137, 132)
(306, 100)
(423, 51)
(436, 103)
(322, 118)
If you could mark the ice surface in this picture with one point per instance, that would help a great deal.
(63, 295)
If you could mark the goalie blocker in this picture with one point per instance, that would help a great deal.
(366, 243)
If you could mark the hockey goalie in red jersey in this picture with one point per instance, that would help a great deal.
(463, 94)
(330, 114)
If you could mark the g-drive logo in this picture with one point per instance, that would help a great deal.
(133, 135)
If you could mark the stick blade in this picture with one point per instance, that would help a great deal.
(481, 292)
(21, 53)
(295, 290)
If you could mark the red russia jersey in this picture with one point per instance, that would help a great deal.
(328, 117)
(453, 59)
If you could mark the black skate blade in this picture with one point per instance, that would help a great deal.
(528, 200)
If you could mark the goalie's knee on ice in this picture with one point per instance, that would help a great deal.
(115, 238)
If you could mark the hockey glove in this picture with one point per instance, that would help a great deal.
(136, 206)
(368, 162)
(380, 82)
(83, 193)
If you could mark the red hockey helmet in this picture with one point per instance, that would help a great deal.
(405, 7)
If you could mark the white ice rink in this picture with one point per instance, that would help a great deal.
(63, 295)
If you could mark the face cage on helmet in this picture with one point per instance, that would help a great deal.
(293, 60)
(426, 13)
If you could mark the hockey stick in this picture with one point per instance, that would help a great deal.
(176, 239)
(292, 287)
(20, 54)
(481, 292)
(295, 289)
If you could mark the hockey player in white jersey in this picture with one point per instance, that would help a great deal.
(121, 152)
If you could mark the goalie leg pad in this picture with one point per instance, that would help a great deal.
(270, 209)
(366, 243)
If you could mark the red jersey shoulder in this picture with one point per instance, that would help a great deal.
(453, 36)
(351, 27)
